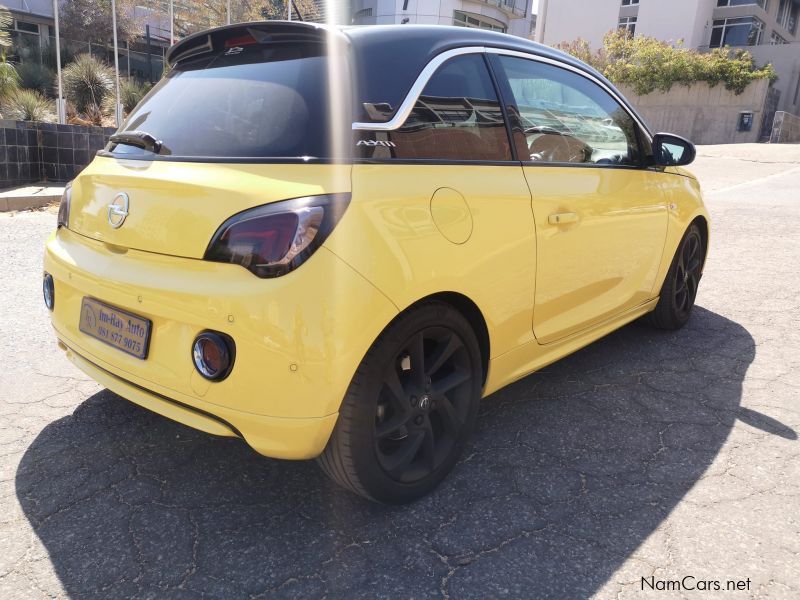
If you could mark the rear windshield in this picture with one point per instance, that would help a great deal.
(252, 101)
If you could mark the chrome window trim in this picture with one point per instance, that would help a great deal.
(416, 89)
(580, 72)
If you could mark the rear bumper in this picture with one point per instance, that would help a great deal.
(272, 436)
(299, 338)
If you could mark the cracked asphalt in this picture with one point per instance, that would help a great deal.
(646, 454)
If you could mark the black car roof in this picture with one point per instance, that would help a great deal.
(417, 44)
(388, 58)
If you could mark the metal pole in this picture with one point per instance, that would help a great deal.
(289, 10)
(149, 54)
(118, 106)
(60, 105)
(171, 22)
(229, 12)
(541, 21)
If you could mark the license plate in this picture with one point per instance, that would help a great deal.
(115, 327)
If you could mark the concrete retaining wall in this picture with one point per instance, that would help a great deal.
(32, 152)
(701, 113)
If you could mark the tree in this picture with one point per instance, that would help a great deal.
(90, 20)
(5, 25)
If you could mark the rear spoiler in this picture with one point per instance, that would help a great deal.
(212, 40)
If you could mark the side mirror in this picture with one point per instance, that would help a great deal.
(672, 150)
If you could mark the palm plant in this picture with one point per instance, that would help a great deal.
(28, 105)
(9, 78)
(87, 82)
(131, 93)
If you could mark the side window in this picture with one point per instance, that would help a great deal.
(457, 117)
(562, 117)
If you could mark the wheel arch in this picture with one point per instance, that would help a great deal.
(470, 311)
(702, 224)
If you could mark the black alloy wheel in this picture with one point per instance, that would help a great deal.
(410, 407)
(424, 404)
(688, 272)
(679, 291)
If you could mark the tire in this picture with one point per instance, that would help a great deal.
(679, 291)
(410, 407)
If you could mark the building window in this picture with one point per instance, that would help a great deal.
(27, 27)
(797, 91)
(776, 40)
(628, 24)
(361, 14)
(787, 15)
(463, 19)
(762, 3)
(745, 31)
(630, 2)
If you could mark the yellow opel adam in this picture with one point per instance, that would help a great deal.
(333, 242)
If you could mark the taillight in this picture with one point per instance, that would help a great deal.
(274, 239)
(63, 208)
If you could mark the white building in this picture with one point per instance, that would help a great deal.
(766, 28)
(508, 16)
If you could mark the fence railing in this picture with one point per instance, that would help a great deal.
(785, 128)
(134, 59)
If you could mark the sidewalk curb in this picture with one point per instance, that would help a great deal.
(15, 203)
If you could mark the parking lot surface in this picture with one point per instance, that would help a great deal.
(646, 455)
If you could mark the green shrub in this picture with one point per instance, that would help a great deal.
(647, 64)
(96, 115)
(28, 105)
(49, 55)
(131, 93)
(33, 76)
(87, 82)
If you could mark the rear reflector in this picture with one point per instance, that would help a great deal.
(212, 354)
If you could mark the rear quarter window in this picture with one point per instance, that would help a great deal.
(457, 117)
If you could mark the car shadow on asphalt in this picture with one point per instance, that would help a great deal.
(568, 472)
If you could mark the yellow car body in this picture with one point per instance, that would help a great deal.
(477, 236)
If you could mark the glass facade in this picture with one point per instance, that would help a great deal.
(787, 15)
(463, 19)
(744, 31)
(762, 3)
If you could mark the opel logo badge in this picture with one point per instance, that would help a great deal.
(118, 210)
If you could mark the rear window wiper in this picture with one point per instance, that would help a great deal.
(139, 139)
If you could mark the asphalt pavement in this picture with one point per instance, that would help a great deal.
(644, 459)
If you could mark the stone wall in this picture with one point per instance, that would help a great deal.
(31, 152)
(701, 113)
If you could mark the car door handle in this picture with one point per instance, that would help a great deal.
(562, 218)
